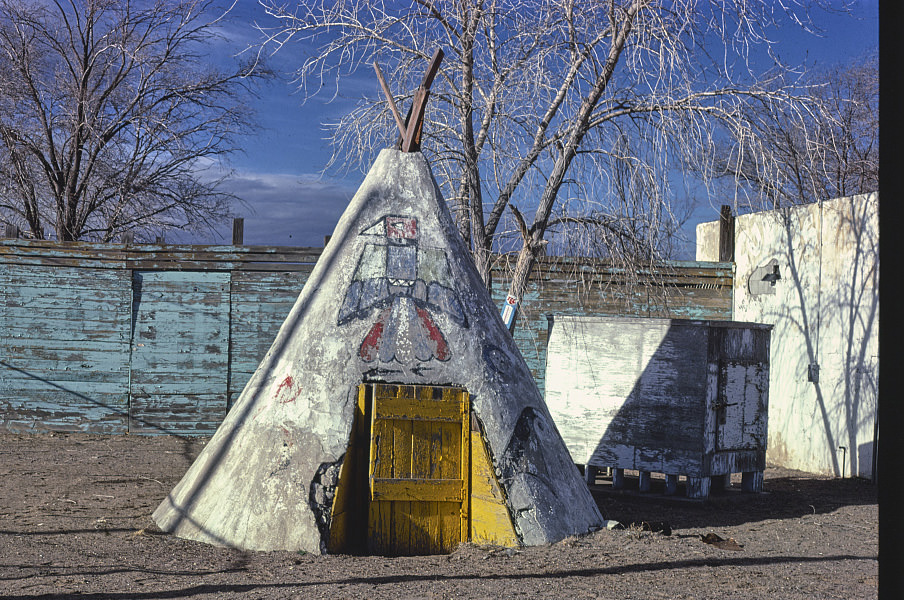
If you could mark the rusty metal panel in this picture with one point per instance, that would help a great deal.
(64, 349)
(179, 359)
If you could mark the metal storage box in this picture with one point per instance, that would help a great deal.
(677, 397)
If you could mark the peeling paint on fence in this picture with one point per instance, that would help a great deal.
(141, 339)
(64, 360)
(179, 351)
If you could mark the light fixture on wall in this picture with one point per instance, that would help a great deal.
(762, 280)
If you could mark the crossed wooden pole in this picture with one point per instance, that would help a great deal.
(410, 128)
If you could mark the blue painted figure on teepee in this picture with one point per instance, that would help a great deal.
(406, 284)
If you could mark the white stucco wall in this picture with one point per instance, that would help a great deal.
(825, 312)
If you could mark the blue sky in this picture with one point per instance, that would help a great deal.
(288, 200)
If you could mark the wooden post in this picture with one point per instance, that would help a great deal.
(698, 487)
(10, 231)
(238, 231)
(391, 100)
(752, 481)
(410, 128)
(671, 484)
(159, 240)
(618, 479)
(643, 481)
(127, 238)
(726, 235)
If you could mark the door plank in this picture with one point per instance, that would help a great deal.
(429, 410)
(425, 490)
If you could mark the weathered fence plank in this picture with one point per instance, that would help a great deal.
(180, 351)
(260, 303)
(64, 348)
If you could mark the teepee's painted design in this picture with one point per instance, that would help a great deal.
(394, 298)
(407, 283)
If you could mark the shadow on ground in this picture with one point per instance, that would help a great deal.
(786, 494)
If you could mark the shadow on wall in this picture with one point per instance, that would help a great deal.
(659, 426)
(826, 323)
(699, 402)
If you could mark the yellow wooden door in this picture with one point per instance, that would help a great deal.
(418, 474)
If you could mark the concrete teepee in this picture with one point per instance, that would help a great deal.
(395, 299)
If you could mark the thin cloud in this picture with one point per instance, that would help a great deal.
(289, 210)
(282, 209)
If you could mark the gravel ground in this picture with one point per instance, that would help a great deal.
(75, 522)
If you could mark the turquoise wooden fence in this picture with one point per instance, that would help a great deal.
(111, 338)
(139, 338)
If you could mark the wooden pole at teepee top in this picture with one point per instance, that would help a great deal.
(410, 129)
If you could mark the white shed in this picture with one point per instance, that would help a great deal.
(672, 396)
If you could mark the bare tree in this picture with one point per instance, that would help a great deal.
(536, 103)
(109, 112)
(797, 158)
(632, 225)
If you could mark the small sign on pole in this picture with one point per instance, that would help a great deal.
(508, 311)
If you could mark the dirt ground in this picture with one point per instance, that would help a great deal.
(75, 522)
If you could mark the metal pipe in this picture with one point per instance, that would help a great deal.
(875, 466)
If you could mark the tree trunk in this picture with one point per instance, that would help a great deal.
(481, 256)
(534, 237)
(480, 250)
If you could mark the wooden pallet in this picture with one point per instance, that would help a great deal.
(696, 488)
